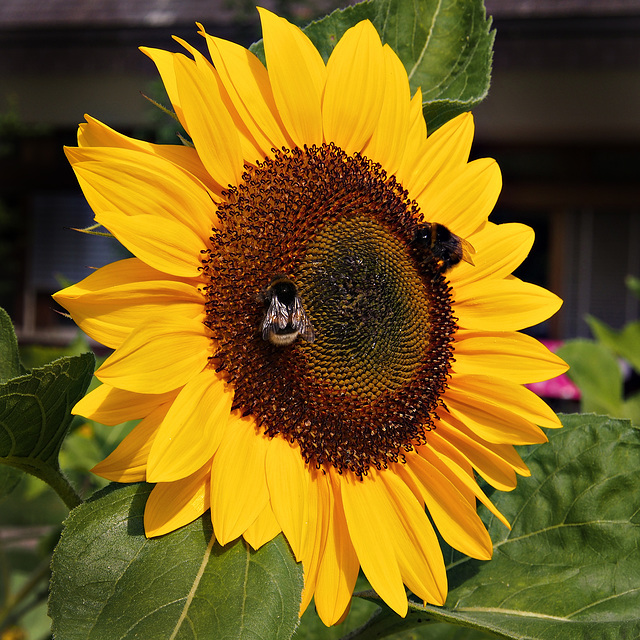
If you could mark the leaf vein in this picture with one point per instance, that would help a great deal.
(563, 525)
(513, 612)
(597, 602)
(423, 52)
(194, 587)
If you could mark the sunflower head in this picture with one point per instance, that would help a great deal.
(319, 326)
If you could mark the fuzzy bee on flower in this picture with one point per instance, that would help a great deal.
(284, 318)
(446, 247)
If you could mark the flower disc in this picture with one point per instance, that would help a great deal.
(368, 386)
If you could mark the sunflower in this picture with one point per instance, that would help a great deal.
(319, 329)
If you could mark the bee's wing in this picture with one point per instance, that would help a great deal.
(277, 316)
(467, 251)
(300, 321)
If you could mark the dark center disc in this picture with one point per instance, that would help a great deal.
(367, 387)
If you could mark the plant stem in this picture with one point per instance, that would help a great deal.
(51, 475)
(59, 483)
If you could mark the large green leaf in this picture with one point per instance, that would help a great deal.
(35, 413)
(445, 46)
(569, 568)
(110, 581)
(10, 366)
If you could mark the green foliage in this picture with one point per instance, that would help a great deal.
(569, 567)
(110, 581)
(595, 368)
(35, 414)
(595, 371)
(624, 343)
(10, 365)
(446, 47)
(35, 417)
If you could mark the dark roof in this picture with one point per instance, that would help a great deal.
(103, 13)
(28, 14)
(63, 14)
(54, 36)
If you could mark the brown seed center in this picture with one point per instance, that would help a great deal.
(367, 387)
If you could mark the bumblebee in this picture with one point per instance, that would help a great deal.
(446, 247)
(284, 318)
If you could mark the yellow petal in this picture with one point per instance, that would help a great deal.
(414, 147)
(499, 411)
(450, 466)
(373, 525)
(128, 463)
(163, 244)
(133, 182)
(515, 356)
(211, 126)
(338, 570)
(389, 139)
(160, 356)
(314, 532)
(263, 529)
(109, 303)
(164, 63)
(464, 199)
(247, 83)
(112, 406)
(247, 133)
(192, 429)
(493, 423)
(417, 548)
(446, 150)
(172, 505)
(288, 482)
(94, 133)
(354, 88)
(499, 249)
(456, 520)
(497, 464)
(238, 479)
(297, 75)
(507, 394)
(503, 305)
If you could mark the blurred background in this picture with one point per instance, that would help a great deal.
(562, 119)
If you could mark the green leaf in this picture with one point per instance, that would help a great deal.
(10, 365)
(35, 414)
(569, 567)
(596, 372)
(445, 46)
(625, 343)
(110, 581)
